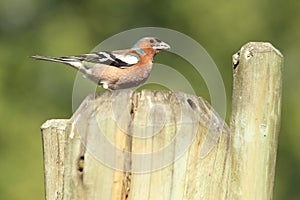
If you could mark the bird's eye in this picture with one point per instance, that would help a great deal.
(151, 41)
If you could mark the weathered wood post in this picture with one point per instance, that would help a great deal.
(255, 120)
(138, 145)
(170, 145)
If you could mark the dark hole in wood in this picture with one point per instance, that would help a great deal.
(192, 104)
(81, 163)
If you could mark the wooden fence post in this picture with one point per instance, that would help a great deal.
(255, 120)
(176, 124)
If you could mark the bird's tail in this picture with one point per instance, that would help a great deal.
(69, 60)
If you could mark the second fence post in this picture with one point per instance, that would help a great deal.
(255, 120)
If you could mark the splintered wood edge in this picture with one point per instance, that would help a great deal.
(253, 47)
(55, 123)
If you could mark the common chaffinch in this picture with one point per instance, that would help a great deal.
(117, 69)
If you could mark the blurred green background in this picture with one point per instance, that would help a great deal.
(32, 92)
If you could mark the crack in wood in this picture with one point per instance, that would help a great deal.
(128, 147)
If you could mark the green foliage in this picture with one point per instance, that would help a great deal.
(32, 92)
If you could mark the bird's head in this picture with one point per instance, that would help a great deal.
(151, 43)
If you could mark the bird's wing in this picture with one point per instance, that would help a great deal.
(121, 59)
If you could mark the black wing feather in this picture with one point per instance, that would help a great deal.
(103, 57)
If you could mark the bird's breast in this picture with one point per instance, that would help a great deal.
(134, 76)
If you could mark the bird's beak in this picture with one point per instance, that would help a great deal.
(161, 46)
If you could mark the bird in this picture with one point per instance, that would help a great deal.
(117, 69)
